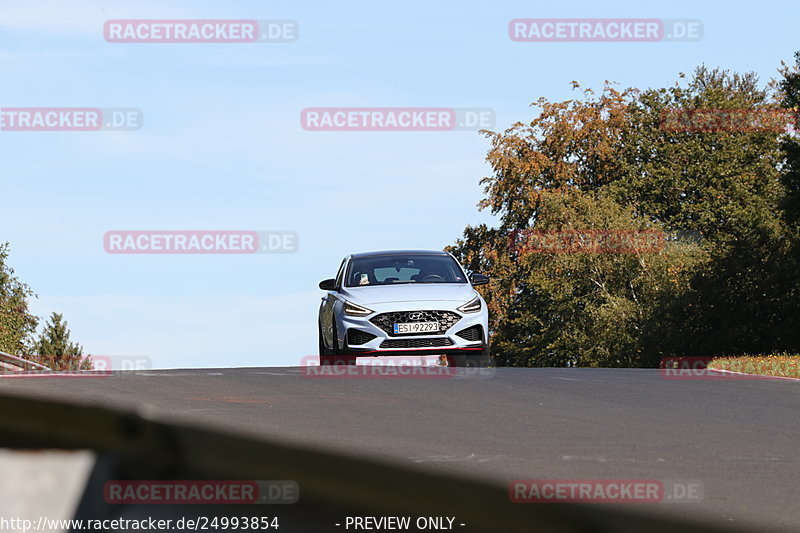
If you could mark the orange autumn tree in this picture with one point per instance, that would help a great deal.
(724, 281)
(570, 145)
(557, 309)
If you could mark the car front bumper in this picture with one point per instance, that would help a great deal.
(354, 331)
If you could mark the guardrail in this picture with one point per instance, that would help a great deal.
(22, 364)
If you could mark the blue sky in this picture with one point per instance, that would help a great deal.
(222, 148)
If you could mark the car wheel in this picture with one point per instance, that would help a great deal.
(482, 359)
(336, 356)
(322, 349)
(459, 361)
(486, 356)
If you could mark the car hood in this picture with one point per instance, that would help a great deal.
(411, 292)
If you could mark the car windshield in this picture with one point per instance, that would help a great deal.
(393, 269)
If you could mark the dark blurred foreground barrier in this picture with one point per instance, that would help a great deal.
(332, 487)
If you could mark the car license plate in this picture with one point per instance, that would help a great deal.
(416, 327)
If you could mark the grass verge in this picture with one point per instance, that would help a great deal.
(783, 365)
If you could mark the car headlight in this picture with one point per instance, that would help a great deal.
(472, 307)
(356, 310)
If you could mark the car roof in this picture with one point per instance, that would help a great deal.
(397, 252)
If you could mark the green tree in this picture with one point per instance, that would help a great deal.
(724, 186)
(55, 350)
(721, 184)
(17, 324)
(789, 88)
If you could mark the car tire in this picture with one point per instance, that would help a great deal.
(336, 356)
(486, 356)
(323, 351)
(480, 360)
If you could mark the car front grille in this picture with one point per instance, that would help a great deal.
(356, 337)
(386, 321)
(472, 333)
(416, 343)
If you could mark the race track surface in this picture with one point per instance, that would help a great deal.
(739, 438)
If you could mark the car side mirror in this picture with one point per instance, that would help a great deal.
(479, 279)
(328, 285)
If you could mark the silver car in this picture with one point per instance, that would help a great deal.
(403, 303)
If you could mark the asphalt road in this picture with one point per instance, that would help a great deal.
(738, 438)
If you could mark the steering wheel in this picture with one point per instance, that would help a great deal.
(433, 277)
